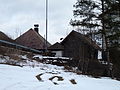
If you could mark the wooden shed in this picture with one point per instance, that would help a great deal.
(56, 49)
(78, 46)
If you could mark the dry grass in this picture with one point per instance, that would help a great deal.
(66, 67)
(2, 50)
(14, 57)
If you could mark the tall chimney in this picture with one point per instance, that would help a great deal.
(36, 27)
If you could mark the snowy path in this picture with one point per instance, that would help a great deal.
(17, 78)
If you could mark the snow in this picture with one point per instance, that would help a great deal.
(41, 57)
(24, 78)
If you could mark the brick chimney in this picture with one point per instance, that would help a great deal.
(36, 27)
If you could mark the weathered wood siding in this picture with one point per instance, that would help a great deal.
(76, 48)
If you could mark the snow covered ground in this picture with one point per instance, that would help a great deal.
(24, 78)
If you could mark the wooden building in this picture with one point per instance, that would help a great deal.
(32, 39)
(83, 51)
(3, 36)
(57, 49)
(78, 46)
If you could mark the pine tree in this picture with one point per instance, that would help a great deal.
(85, 16)
(113, 23)
(86, 22)
(112, 30)
(101, 18)
(111, 20)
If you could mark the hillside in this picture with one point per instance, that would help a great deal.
(51, 77)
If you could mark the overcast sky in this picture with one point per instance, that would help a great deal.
(21, 15)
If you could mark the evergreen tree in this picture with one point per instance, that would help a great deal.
(102, 17)
(112, 29)
(113, 23)
(85, 16)
(86, 21)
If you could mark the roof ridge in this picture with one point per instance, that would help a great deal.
(24, 33)
(32, 39)
(41, 37)
(85, 39)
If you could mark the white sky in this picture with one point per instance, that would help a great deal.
(21, 15)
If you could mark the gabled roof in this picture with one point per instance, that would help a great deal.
(32, 39)
(82, 38)
(56, 46)
(5, 37)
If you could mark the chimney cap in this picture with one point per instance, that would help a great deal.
(36, 25)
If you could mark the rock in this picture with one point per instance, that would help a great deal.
(38, 77)
(73, 81)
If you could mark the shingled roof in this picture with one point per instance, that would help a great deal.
(56, 46)
(82, 38)
(5, 37)
(32, 39)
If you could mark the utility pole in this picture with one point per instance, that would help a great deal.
(46, 24)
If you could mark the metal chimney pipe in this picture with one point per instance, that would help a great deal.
(36, 27)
